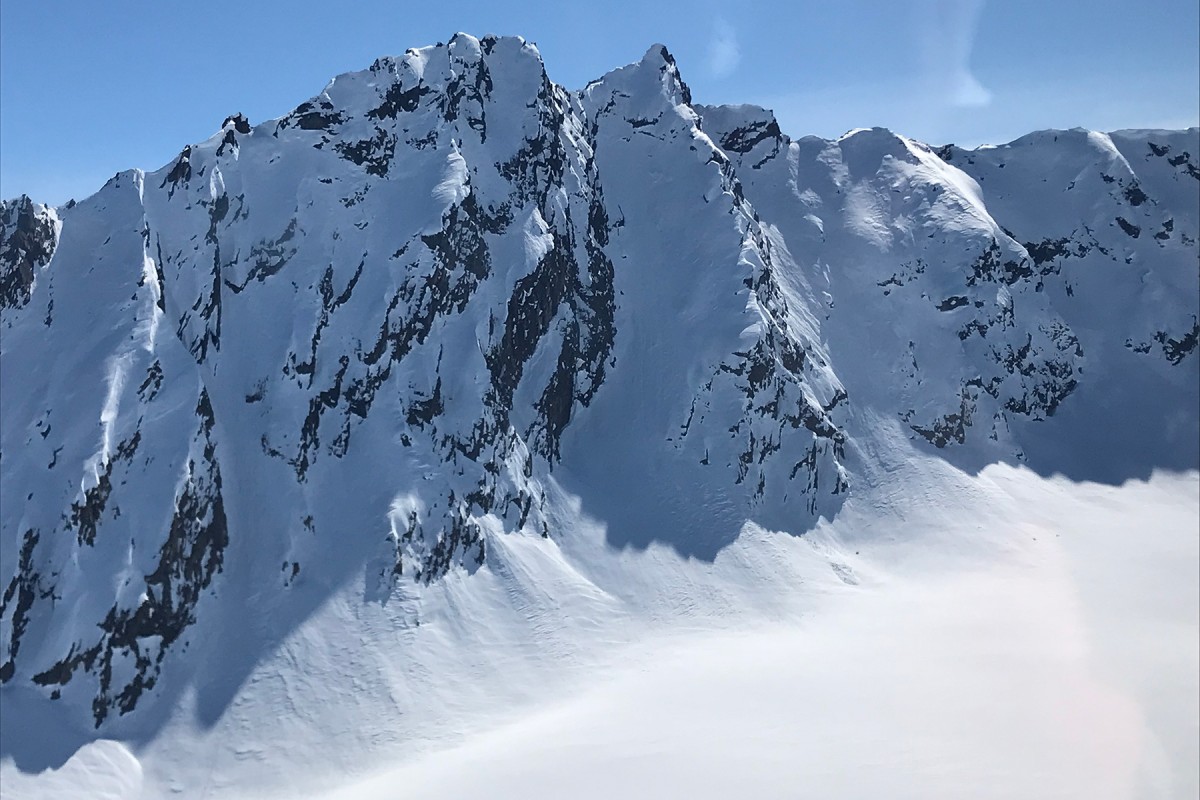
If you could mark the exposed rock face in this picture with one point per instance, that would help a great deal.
(28, 236)
(413, 314)
(187, 562)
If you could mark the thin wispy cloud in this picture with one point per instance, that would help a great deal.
(949, 32)
(724, 53)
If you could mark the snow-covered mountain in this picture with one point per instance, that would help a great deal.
(445, 309)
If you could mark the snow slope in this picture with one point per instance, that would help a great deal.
(1015, 667)
(1007, 643)
(376, 423)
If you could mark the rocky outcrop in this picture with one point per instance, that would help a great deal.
(28, 236)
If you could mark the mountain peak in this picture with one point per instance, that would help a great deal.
(647, 82)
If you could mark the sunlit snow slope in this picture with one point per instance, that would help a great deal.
(411, 402)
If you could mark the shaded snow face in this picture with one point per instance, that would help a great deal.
(446, 302)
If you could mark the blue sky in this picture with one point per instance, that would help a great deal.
(90, 88)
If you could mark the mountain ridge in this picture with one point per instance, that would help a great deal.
(445, 300)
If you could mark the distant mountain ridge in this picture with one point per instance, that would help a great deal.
(361, 342)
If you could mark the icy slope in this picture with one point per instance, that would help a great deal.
(451, 373)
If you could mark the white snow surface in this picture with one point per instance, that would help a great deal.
(1035, 661)
(1019, 637)
(461, 434)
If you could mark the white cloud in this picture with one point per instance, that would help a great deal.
(949, 37)
(724, 54)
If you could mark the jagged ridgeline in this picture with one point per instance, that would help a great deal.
(359, 342)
